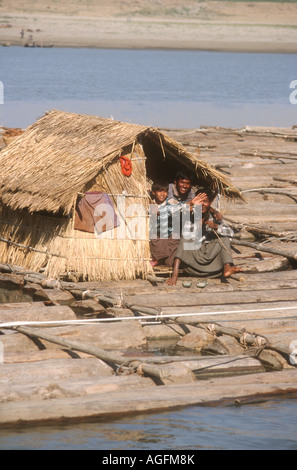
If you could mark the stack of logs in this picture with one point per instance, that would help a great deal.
(109, 349)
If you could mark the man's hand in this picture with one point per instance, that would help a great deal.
(211, 224)
(216, 215)
(199, 199)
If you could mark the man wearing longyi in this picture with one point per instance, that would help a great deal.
(213, 258)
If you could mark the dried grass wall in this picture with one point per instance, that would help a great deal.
(126, 253)
(36, 241)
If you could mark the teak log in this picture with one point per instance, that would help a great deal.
(261, 231)
(113, 404)
(35, 312)
(285, 180)
(160, 373)
(259, 247)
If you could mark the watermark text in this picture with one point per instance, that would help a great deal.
(133, 221)
(1, 93)
(1, 353)
(293, 355)
(293, 94)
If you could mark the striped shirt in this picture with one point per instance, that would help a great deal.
(164, 220)
(204, 233)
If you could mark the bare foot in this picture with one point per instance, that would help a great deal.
(229, 270)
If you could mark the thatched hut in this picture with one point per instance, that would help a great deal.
(50, 168)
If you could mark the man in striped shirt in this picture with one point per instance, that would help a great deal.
(168, 218)
(212, 257)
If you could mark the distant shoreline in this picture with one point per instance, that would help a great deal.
(145, 33)
(139, 45)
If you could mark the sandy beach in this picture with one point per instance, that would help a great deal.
(176, 24)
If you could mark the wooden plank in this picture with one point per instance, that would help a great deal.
(281, 277)
(240, 389)
(217, 298)
(171, 372)
(37, 312)
(265, 327)
(284, 342)
(118, 335)
(223, 366)
(52, 369)
(235, 312)
(75, 386)
(40, 355)
(70, 378)
(20, 305)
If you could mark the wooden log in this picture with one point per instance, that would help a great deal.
(11, 268)
(284, 343)
(164, 373)
(242, 336)
(51, 387)
(285, 180)
(260, 386)
(195, 340)
(228, 365)
(119, 312)
(163, 331)
(275, 264)
(272, 360)
(260, 231)
(223, 345)
(5, 268)
(70, 344)
(11, 281)
(35, 312)
(291, 256)
(53, 295)
(114, 336)
(189, 298)
(275, 192)
(40, 355)
(6, 306)
(88, 307)
(53, 369)
(142, 309)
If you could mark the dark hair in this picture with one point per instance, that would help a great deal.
(183, 175)
(210, 193)
(159, 185)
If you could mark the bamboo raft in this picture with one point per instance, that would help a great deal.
(108, 349)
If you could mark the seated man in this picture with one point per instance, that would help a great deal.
(214, 257)
(164, 233)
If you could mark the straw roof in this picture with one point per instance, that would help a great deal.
(57, 157)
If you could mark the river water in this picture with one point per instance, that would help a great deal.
(270, 425)
(164, 89)
(151, 87)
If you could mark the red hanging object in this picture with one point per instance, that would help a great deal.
(126, 165)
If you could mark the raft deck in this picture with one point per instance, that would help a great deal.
(155, 347)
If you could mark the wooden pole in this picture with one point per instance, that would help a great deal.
(241, 335)
(259, 247)
(142, 368)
